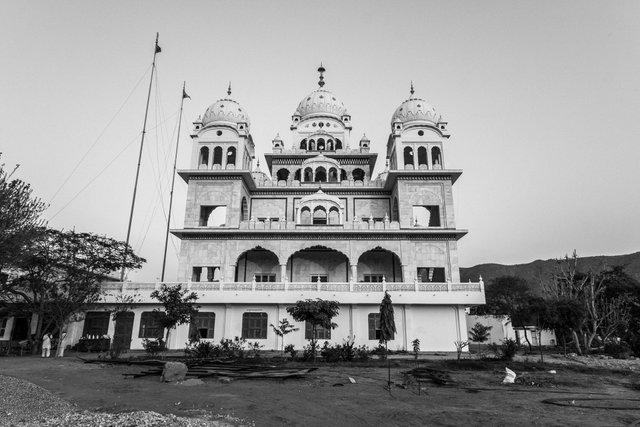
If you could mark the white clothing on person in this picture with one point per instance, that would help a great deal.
(46, 345)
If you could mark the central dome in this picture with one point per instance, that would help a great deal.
(225, 110)
(321, 102)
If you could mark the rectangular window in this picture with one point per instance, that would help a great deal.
(374, 327)
(254, 325)
(322, 333)
(96, 323)
(3, 326)
(202, 325)
(373, 278)
(213, 216)
(322, 277)
(426, 216)
(264, 277)
(431, 274)
(150, 325)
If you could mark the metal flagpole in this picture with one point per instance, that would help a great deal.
(173, 180)
(156, 50)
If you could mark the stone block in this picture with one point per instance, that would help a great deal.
(174, 371)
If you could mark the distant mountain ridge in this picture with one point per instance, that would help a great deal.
(539, 270)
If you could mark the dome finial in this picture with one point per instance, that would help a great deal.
(229, 89)
(321, 70)
(412, 91)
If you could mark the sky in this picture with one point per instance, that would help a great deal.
(542, 100)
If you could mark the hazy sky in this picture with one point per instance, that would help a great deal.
(542, 100)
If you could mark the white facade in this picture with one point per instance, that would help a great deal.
(317, 225)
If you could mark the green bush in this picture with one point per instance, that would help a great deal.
(201, 350)
(617, 350)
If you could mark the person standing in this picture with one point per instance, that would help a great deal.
(46, 344)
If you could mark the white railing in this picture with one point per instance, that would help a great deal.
(131, 287)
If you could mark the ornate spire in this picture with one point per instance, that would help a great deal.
(412, 91)
(229, 89)
(321, 70)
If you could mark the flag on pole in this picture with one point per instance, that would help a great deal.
(184, 94)
(158, 49)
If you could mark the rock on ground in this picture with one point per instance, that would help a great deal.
(174, 371)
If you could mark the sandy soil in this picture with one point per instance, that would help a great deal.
(476, 398)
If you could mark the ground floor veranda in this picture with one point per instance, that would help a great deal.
(436, 326)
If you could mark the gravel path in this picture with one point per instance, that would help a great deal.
(25, 404)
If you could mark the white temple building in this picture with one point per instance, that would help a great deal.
(317, 225)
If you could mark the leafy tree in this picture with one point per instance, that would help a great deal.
(317, 312)
(179, 306)
(283, 329)
(60, 276)
(19, 218)
(480, 333)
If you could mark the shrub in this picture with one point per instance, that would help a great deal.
(309, 352)
(416, 348)
(363, 353)
(509, 348)
(291, 350)
(254, 348)
(201, 350)
(153, 347)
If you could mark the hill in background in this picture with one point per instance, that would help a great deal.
(536, 271)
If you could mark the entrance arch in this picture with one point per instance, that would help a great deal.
(258, 262)
(318, 263)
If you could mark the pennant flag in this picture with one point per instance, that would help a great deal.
(158, 50)
(184, 94)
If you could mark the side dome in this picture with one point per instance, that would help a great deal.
(225, 110)
(321, 102)
(415, 109)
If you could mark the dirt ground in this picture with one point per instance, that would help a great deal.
(477, 396)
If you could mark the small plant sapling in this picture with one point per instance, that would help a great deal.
(460, 346)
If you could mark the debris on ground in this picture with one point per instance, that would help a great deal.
(352, 381)
(510, 376)
(423, 374)
(226, 371)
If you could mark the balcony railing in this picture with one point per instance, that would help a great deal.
(134, 287)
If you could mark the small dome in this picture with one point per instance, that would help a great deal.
(321, 102)
(320, 196)
(225, 110)
(321, 160)
(415, 109)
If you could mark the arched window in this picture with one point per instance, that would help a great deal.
(231, 156)
(308, 175)
(217, 156)
(330, 145)
(338, 144)
(422, 156)
(319, 216)
(321, 174)
(305, 216)
(436, 159)
(204, 156)
(395, 213)
(303, 144)
(408, 156)
(343, 175)
(320, 144)
(334, 216)
(312, 145)
(358, 175)
(282, 174)
(296, 175)
(333, 175)
(244, 210)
